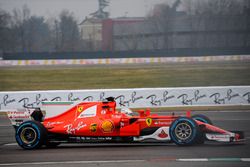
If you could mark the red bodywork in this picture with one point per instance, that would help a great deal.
(102, 119)
(107, 121)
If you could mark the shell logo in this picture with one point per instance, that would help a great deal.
(107, 126)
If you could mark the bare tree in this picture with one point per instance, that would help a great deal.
(38, 33)
(68, 32)
(155, 32)
(216, 23)
(163, 22)
(19, 17)
(4, 31)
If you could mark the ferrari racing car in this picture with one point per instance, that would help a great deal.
(77, 122)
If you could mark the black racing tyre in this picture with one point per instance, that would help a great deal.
(184, 131)
(31, 135)
(202, 118)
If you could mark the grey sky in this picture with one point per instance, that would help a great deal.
(82, 8)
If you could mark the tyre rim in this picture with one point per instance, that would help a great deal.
(183, 131)
(28, 135)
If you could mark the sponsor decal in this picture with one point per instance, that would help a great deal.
(107, 126)
(18, 115)
(103, 112)
(89, 112)
(93, 127)
(149, 121)
(53, 123)
(220, 136)
(81, 139)
(163, 134)
(162, 123)
(79, 108)
(72, 130)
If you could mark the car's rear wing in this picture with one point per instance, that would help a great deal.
(19, 116)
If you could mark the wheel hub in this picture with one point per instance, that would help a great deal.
(28, 135)
(183, 131)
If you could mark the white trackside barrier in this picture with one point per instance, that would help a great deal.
(133, 98)
(138, 60)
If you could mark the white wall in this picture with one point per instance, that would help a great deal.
(133, 98)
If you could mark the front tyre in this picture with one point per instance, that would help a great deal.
(31, 135)
(184, 131)
(202, 118)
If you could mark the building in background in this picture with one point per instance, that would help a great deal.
(121, 33)
(180, 31)
(91, 33)
(166, 29)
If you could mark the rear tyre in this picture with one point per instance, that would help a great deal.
(184, 131)
(31, 135)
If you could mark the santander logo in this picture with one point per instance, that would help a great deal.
(162, 134)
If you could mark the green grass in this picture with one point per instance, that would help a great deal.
(125, 76)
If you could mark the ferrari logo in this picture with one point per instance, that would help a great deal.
(79, 108)
(149, 121)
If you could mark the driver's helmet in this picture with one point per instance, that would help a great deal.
(127, 111)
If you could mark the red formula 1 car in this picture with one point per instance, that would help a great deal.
(60, 122)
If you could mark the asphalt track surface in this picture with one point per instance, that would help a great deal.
(138, 155)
